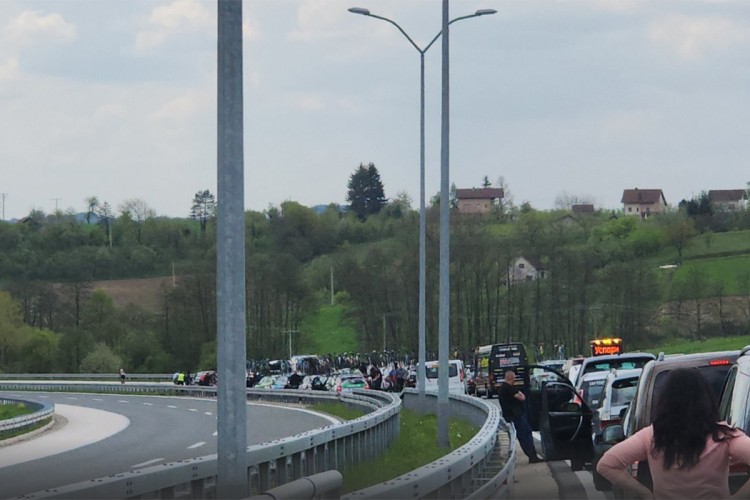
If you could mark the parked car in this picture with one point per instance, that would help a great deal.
(206, 378)
(265, 382)
(713, 365)
(627, 361)
(734, 408)
(347, 383)
(591, 386)
(619, 390)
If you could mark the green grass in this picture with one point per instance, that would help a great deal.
(719, 270)
(337, 410)
(12, 411)
(708, 345)
(415, 447)
(328, 331)
(708, 245)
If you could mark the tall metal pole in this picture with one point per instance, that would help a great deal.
(443, 439)
(230, 258)
(421, 368)
(3, 195)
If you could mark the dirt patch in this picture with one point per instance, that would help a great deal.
(146, 293)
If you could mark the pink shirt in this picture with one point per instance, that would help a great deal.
(708, 479)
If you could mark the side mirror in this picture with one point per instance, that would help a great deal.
(613, 434)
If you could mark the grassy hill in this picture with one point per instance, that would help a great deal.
(327, 331)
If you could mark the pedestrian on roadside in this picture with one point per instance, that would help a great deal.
(688, 450)
(122, 375)
(513, 403)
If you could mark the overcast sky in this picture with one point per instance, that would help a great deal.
(117, 99)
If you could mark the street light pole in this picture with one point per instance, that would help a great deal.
(422, 216)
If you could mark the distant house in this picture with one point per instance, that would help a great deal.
(583, 209)
(478, 200)
(730, 200)
(527, 269)
(643, 202)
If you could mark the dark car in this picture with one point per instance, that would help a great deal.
(713, 365)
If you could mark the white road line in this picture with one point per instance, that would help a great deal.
(171, 406)
(148, 404)
(71, 397)
(331, 419)
(192, 409)
(123, 401)
(97, 399)
(208, 413)
(216, 433)
(196, 445)
(144, 464)
(43, 396)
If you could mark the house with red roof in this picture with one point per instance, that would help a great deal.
(643, 202)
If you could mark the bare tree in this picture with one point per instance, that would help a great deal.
(138, 211)
(92, 204)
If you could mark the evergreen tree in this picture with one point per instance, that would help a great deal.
(204, 207)
(366, 195)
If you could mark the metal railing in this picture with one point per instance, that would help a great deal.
(40, 412)
(481, 468)
(270, 464)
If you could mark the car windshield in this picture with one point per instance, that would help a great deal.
(715, 374)
(432, 371)
(623, 391)
(620, 364)
(591, 391)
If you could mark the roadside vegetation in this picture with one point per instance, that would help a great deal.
(66, 304)
(337, 410)
(416, 446)
(13, 411)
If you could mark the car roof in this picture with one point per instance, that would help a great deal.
(625, 373)
(598, 375)
(695, 359)
(625, 355)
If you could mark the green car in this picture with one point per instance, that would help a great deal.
(346, 383)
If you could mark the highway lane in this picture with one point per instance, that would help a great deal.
(160, 430)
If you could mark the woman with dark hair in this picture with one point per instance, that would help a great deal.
(687, 448)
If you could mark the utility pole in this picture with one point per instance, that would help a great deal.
(332, 300)
(3, 196)
(56, 201)
(290, 332)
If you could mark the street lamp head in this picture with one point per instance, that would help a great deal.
(359, 10)
(482, 12)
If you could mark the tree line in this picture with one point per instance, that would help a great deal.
(601, 279)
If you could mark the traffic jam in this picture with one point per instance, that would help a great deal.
(581, 407)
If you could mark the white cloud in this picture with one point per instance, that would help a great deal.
(693, 37)
(9, 70)
(320, 20)
(32, 27)
(183, 107)
(181, 16)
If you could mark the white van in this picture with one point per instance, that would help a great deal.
(456, 376)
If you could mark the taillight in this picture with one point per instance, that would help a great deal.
(718, 362)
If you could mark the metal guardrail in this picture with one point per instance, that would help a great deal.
(41, 412)
(323, 485)
(269, 464)
(167, 377)
(481, 468)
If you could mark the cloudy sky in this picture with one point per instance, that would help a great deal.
(117, 99)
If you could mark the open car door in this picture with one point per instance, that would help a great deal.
(565, 424)
(537, 376)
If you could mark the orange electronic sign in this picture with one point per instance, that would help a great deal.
(601, 347)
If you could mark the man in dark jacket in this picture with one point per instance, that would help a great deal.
(513, 404)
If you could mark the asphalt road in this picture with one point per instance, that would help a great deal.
(137, 431)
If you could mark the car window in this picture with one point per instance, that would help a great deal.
(591, 391)
(620, 364)
(432, 371)
(623, 391)
(715, 374)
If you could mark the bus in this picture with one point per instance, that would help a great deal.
(482, 370)
(511, 355)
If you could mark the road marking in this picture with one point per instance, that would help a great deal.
(97, 399)
(43, 396)
(171, 406)
(123, 401)
(192, 409)
(331, 419)
(144, 464)
(208, 413)
(148, 404)
(216, 433)
(196, 445)
(71, 397)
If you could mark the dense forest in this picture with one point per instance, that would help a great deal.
(603, 277)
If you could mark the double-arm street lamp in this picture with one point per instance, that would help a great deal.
(422, 218)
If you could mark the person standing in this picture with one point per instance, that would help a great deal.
(122, 375)
(688, 450)
(513, 404)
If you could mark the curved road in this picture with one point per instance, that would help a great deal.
(137, 431)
